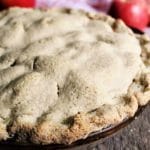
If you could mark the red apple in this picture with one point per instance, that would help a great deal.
(133, 12)
(20, 3)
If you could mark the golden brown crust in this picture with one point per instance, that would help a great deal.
(81, 124)
(3, 132)
(86, 123)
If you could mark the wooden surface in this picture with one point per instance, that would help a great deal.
(135, 136)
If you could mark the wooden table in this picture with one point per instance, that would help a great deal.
(135, 136)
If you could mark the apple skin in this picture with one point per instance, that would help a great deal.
(148, 6)
(133, 12)
(19, 3)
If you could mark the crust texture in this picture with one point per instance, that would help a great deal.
(42, 100)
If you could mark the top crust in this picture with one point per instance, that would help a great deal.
(67, 73)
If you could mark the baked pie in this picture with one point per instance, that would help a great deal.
(66, 73)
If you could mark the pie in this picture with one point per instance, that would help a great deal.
(66, 73)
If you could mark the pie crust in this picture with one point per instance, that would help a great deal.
(66, 73)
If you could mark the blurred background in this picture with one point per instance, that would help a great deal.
(135, 13)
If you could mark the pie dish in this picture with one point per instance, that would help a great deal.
(66, 73)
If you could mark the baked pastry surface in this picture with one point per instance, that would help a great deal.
(67, 73)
